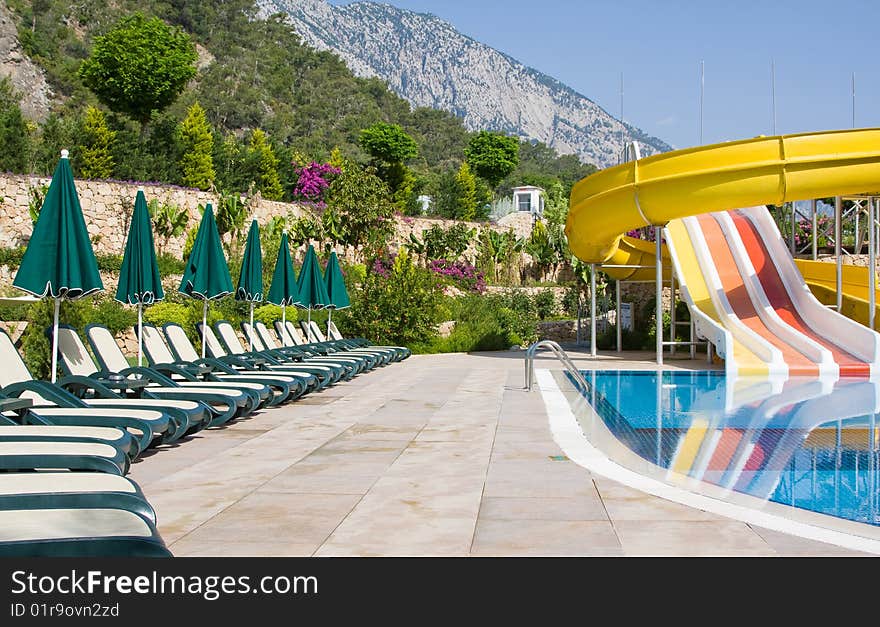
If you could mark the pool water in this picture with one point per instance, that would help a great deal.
(804, 443)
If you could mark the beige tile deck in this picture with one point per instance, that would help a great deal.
(440, 455)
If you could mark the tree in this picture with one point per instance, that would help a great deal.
(492, 155)
(390, 147)
(196, 143)
(95, 153)
(388, 143)
(362, 201)
(14, 136)
(266, 166)
(456, 194)
(140, 66)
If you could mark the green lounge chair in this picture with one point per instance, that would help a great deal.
(327, 372)
(290, 335)
(359, 342)
(233, 399)
(184, 350)
(38, 490)
(61, 531)
(265, 344)
(392, 353)
(55, 405)
(218, 351)
(40, 454)
(196, 404)
(172, 348)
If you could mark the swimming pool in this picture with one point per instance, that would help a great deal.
(804, 443)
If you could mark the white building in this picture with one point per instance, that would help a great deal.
(529, 199)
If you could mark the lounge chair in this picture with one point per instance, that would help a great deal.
(110, 357)
(360, 342)
(55, 530)
(196, 405)
(394, 353)
(55, 405)
(327, 370)
(290, 335)
(27, 490)
(182, 353)
(217, 350)
(43, 454)
(264, 343)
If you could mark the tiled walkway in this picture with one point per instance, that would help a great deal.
(440, 455)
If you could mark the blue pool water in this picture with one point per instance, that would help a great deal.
(802, 443)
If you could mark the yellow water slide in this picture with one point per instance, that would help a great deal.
(669, 189)
(821, 278)
(761, 171)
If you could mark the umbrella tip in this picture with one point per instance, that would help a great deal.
(65, 153)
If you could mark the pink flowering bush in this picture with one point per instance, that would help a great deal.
(460, 273)
(313, 181)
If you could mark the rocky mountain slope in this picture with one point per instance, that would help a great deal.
(429, 63)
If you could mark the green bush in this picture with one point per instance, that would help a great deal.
(112, 314)
(11, 256)
(398, 304)
(169, 264)
(109, 263)
(545, 304)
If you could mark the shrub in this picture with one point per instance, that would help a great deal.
(545, 304)
(398, 303)
(112, 314)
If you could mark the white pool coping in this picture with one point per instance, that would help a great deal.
(570, 437)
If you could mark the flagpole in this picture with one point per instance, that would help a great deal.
(140, 334)
(204, 328)
(55, 338)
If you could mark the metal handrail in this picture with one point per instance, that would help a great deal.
(560, 354)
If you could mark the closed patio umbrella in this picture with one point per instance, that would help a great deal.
(59, 261)
(312, 292)
(284, 290)
(336, 292)
(250, 280)
(139, 281)
(206, 276)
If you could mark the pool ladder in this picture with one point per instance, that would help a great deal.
(560, 354)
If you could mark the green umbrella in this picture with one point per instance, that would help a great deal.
(206, 276)
(59, 261)
(336, 292)
(312, 292)
(284, 291)
(139, 281)
(250, 281)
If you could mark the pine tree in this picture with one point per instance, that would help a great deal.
(15, 141)
(95, 153)
(196, 144)
(267, 166)
(466, 187)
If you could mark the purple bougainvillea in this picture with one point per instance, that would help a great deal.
(313, 180)
(460, 273)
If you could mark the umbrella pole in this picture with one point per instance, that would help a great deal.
(204, 328)
(55, 338)
(329, 317)
(311, 335)
(251, 333)
(283, 319)
(140, 334)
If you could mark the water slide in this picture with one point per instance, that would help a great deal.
(745, 293)
(821, 278)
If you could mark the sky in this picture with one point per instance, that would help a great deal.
(658, 47)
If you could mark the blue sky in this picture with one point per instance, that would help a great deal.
(658, 46)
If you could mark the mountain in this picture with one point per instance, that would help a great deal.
(430, 64)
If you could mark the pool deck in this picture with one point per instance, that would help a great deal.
(441, 455)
